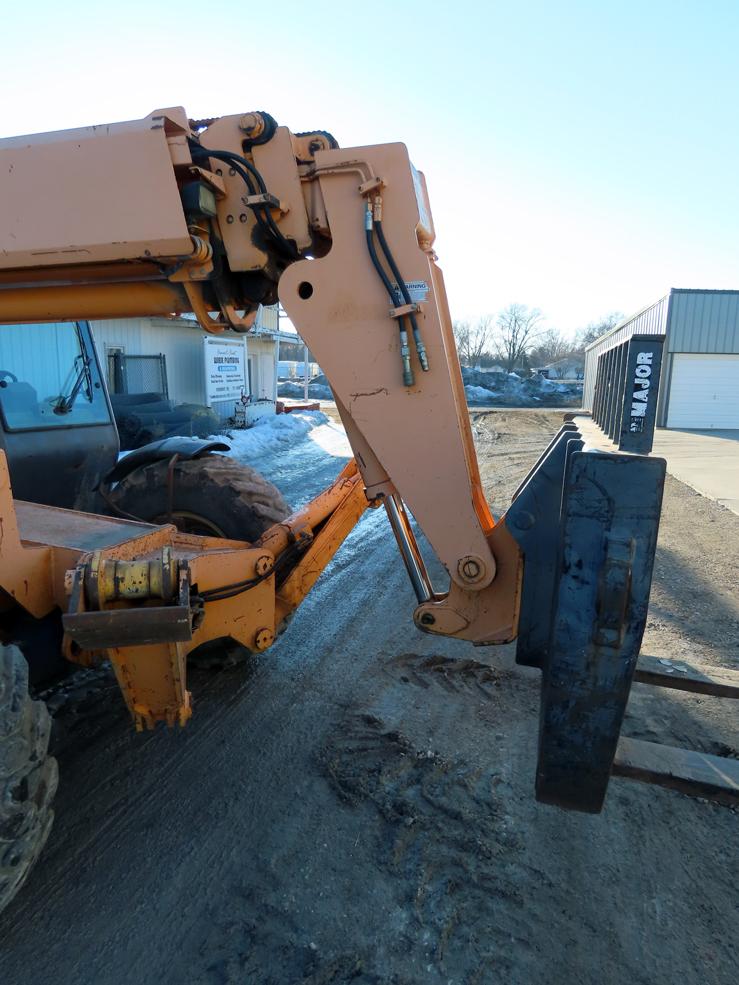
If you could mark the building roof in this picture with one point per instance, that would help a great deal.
(573, 359)
(643, 311)
(626, 321)
(262, 333)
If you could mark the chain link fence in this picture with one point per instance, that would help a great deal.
(138, 374)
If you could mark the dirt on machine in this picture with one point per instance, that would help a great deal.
(176, 552)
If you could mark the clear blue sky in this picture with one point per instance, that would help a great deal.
(581, 156)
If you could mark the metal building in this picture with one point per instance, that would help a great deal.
(699, 387)
(178, 352)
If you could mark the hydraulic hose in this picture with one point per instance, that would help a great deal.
(246, 170)
(420, 347)
(241, 166)
(405, 352)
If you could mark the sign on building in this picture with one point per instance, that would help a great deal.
(639, 415)
(225, 369)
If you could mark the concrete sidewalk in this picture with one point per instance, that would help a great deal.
(707, 461)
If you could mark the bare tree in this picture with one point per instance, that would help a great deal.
(480, 337)
(517, 330)
(551, 345)
(473, 339)
(461, 331)
(595, 329)
(562, 368)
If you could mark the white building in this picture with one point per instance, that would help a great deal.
(176, 357)
(567, 368)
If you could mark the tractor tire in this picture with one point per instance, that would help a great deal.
(214, 496)
(28, 775)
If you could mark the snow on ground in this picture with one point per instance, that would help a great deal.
(273, 433)
(301, 453)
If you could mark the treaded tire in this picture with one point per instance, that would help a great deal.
(234, 500)
(28, 776)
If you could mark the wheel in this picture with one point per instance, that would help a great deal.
(28, 776)
(214, 496)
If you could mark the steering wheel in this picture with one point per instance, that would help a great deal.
(6, 374)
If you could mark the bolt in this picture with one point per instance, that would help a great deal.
(470, 568)
(264, 638)
(427, 619)
(524, 520)
(252, 124)
(232, 172)
(229, 219)
(263, 565)
(242, 217)
(219, 172)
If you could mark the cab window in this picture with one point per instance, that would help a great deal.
(48, 378)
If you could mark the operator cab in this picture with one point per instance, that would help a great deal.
(57, 427)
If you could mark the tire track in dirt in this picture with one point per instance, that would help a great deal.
(444, 831)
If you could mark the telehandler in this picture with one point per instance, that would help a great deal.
(168, 215)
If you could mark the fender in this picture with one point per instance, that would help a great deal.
(184, 448)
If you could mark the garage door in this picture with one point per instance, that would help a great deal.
(704, 392)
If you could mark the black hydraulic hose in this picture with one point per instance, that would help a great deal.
(405, 354)
(222, 592)
(378, 266)
(230, 591)
(246, 169)
(290, 249)
(238, 159)
(265, 220)
(230, 156)
(420, 347)
(247, 181)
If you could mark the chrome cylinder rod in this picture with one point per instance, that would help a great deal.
(409, 548)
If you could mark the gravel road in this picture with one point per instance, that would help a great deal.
(357, 805)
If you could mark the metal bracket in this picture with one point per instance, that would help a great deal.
(610, 518)
(405, 309)
(568, 427)
(534, 520)
(135, 625)
(265, 198)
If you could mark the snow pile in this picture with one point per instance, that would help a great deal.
(510, 390)
(478, 394)
(273, 433)
(316, 391)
